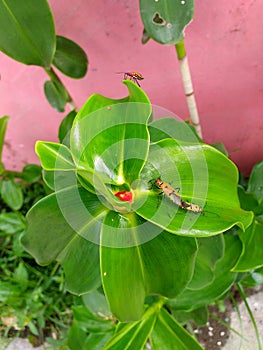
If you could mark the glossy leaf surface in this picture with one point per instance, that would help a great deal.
(169, 335)
(252, 240)
(210, 250)
(56, 95)
(203, 176)
(70, 58)
(65, 127)
(223, 279)
(165, 20)
(120, 130)
(163, 265)
(255, 184)
(54, 156)
(32, 172)
(75, 252)
(139, 247)
(132, 335)
(27, 32)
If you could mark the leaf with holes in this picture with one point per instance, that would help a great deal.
(165, 20)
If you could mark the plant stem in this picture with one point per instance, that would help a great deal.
(53, 76)
(3, 125)
(188, 86)
(243, 295)
(13, 174)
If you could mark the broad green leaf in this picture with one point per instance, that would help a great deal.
(165, 20)
(58, 179)
(47, 232)
(168, 127)
(163, 264)
(203, 176)
(65, 226)
(222, 282)
(54, 156)
(252, 252)
(32, 172)
(82, 256)
(65, 127)
(121, 271)
(248, 201)
(49, 178)
(120, 130)
(27, 32)
(70, 212)
(170, 335)
(96, 303)
(171, 267)
(255, 183)
(56, 95)
(133, 335)
(12, 194)
(3, 126)
(69, 58)
(210, 250)
(96, 101)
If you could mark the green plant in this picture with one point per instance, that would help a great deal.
(140, 261)
(139, 248)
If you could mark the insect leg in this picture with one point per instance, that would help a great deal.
(136, 81)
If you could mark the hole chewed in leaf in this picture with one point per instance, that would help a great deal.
(157, 19)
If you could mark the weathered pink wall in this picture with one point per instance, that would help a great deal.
(225, 51)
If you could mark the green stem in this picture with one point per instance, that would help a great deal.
(54, 77)
(3, 125)
(243, 295)
(180, 50)
(12, 174)
(219, 320)
(54, 269)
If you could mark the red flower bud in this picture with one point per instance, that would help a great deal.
(124, 196)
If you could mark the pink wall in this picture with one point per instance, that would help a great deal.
(225, 51)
